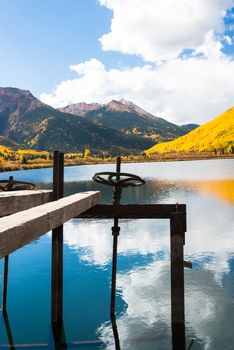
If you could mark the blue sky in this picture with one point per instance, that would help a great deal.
(40, 39)
(155, 53)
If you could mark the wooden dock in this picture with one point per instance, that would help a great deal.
(15, 201)
(23, 227)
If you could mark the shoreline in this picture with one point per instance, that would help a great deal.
(135, 159)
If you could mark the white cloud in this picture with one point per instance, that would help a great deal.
(162, 29)
(211, 47)
(95, 245)
(228, 39)
(195, 89)
(189, 80)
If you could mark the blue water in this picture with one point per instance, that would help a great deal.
(143, 280)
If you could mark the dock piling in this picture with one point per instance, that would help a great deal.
(57, 243)
(177, 280)
(5, 283)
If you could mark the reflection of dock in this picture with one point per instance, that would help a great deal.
(57, 339)
(28, 219)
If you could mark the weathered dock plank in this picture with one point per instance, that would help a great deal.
(13, 201)
(23, 227)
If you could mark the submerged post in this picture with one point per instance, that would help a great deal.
(8, 330)
(177, 280)
(59, 336)
(5, 283)
(57, 244)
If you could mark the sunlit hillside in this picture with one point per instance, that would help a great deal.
(215, 136)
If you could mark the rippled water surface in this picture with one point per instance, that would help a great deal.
(143, 280)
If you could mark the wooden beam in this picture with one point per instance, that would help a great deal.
(21, 228)
(133, 211)
(13, 201)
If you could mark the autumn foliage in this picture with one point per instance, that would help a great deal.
(216, 136)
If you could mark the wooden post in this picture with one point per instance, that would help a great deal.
(5, 283)
(177, 280)
(57, 244)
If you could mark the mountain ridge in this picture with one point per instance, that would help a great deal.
(32, 124)
(130, 119)
(81, 108)
(116, 127)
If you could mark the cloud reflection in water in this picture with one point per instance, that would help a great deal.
(145, 289)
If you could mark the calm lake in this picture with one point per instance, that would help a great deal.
(143, 279)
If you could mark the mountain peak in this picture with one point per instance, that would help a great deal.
(80, 108)
(130, 107)
(117, 106)
(14, 103)
(9, 89)
(16, 95)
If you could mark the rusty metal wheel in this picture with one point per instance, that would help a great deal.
(13, 185)
(118, 179)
